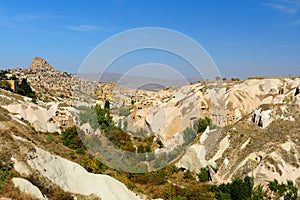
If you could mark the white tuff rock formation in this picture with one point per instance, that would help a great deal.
(27, 187)
(74, 178)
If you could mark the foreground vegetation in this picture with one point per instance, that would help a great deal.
(170, 182)
(244, 189)
(180, 184)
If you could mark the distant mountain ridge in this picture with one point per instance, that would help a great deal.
(135, 81)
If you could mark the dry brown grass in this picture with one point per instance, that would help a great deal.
(9, 191)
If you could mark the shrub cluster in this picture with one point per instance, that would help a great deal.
(243, 190)
(24, 89)
(93, 165)
(288, 190)
(71, 139)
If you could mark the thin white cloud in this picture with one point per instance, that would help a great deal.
(281, 8)
(285, 6)
(24, 21)
(87, 27)
(32, 17)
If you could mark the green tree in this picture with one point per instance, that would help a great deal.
(258, 193)
(24, 89)
(237, 190)
(71, 139)
(292, 191)
(289, 191)
(203, 123)
(222, 196)
(203, 175)
(148, 148)
(241, 190)
(103, 117)
(274, 185)
(132, 102)
(107, 105)
(96, 117)
(125, 124)
(141, 149)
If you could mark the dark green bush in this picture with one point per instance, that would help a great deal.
(71, 139)
(289, 191)
(141, 149)
(24, 89)
(203, 174)
(237, 190)
(148, 148)
(96, 117)
(201, 124)
(107, 105)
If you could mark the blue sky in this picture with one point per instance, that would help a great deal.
(244, 37)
